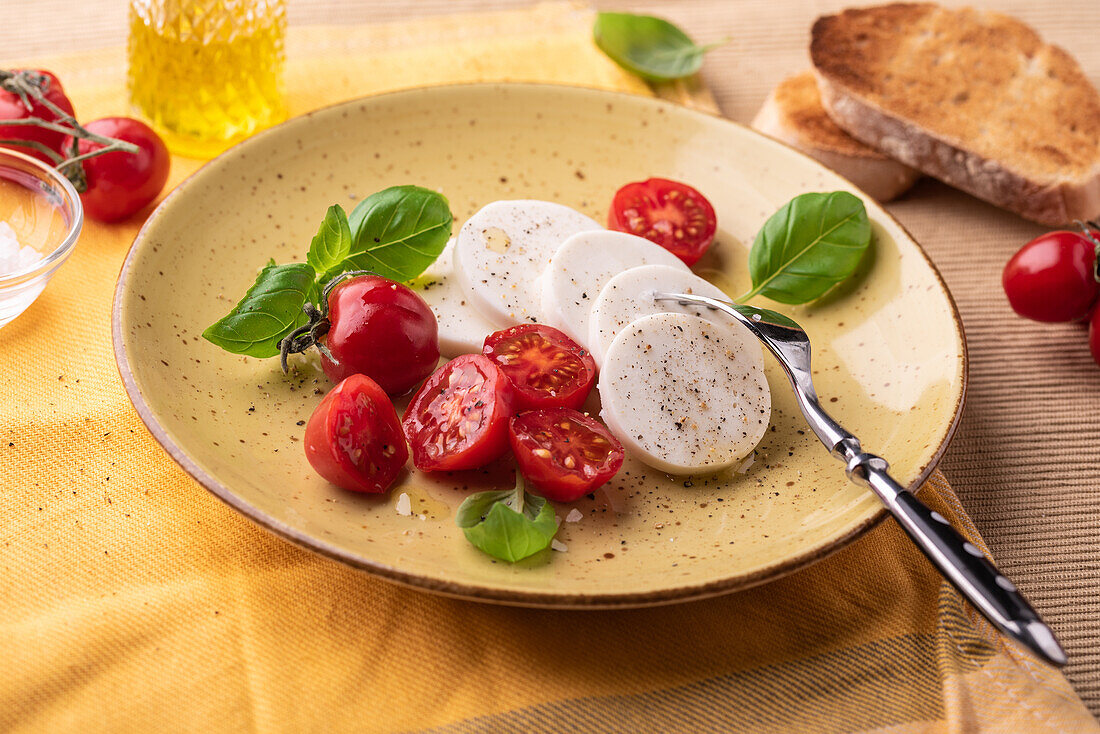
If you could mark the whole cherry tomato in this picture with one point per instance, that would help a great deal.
(12, 108)
(1052, 278)
(354, 439)
(546, 367)
(564, 454)
(459, 417)
(672, 214)
(381, 329)
(1094, 335)
(121, 183)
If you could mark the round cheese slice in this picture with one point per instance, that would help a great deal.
(684, 394)
(462, 329)
(580, 269)
(503, 249)
(629, 295)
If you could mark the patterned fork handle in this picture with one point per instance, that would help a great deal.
(960, 561)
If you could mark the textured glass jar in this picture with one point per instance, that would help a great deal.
(207, 73)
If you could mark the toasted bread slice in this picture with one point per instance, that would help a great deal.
(793, 113)
(971, 97)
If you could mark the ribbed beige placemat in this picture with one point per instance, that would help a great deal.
(1023, 461)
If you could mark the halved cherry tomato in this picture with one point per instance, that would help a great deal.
(563, 453)
(546, 367)
(672, 214)
(1052, 277)
(458, 419)
(354, 439)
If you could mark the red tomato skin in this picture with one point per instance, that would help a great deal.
(119, 183)
(330, 458)
(657, 209)
(11, 108)
(549, 477)
(1094, 335)
(1051, 278)
(382, 329)
(487, 444)
(572, 395)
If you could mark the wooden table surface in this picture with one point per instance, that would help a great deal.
(1024, 461)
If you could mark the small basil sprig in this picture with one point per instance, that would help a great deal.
(271, 309)
(332, 243)
(652, 48)
(812, 243)
(397, 233)
(510, 525)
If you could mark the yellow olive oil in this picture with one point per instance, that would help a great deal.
(207, 73)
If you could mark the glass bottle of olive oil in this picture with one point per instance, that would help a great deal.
(207, 73)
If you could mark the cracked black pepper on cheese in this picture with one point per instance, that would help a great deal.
(684, 394)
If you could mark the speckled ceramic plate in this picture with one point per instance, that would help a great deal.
(889, 353)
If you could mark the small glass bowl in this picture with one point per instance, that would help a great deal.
(44, 188)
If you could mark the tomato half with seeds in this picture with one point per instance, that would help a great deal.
(563, 453)
(458, 419)
(670, 213)
(546, 367)
(354, 439)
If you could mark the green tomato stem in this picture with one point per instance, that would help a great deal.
(37, 146)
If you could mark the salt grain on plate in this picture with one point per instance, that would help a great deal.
(574, 515)
(559, 546)
(13, 257)
(404, 505)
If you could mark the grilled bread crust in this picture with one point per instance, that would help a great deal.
(793, 113)
(971, 97)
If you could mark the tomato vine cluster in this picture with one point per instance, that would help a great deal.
(118, 164)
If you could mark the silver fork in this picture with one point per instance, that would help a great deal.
(960, 561)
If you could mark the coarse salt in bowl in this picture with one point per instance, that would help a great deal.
(40, 221)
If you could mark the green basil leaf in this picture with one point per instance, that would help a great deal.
(652, 48)
(812, 243)
(270, 310)
(475, 507)
(332, 244)
(509, 525)
(397, 232)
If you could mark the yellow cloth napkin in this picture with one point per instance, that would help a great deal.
(132, 600)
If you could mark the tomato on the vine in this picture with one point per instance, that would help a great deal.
(546, 367)
(121, 183)
(1052, 278)
(1094, 335)
(670, 213)
(354, 438)
(563, 453)
(12, 108)
(458, 419)
(382, 329)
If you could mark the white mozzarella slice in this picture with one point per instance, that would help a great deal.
(462, 330)
(629, 295)
(504, 248)
(580, 269)
(685, 394)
